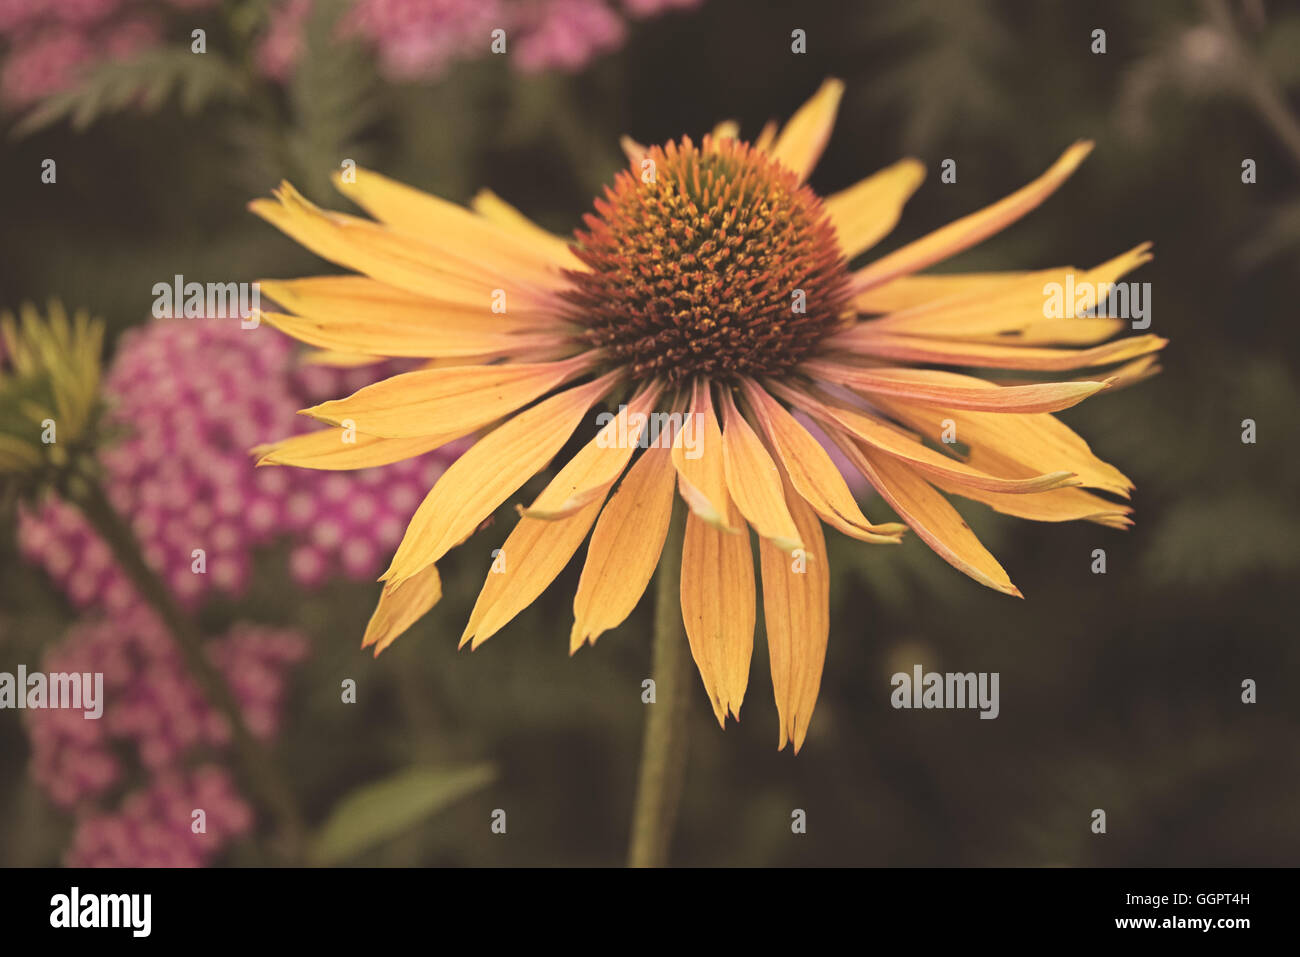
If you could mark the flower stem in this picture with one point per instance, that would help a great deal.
(663, 752)
(260, 772)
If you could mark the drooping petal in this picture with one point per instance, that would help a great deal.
(718, 608)
(969, 230)
(890, 440)
(533, 554)
(454, 400)
(342, 449)
(697, 456)
(865, 213)
(951, 390)
(1015, 445)
(812, 472)
(590, 473)
(929, 514)
(402, 604)
(1057, 505)
(796, 611)
(805, 136)
(625, 548)
(489, 473)
(753, 480)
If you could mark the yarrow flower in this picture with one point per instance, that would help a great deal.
(710, 280)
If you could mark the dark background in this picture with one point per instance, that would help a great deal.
(1119, 691)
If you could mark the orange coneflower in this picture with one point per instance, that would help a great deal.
(708, 280)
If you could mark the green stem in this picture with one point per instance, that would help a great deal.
(260, 772)
(663, 752)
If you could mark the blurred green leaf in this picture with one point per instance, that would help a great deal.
(378, 812)
(145, 81)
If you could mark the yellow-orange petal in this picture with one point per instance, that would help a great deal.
(489, 473)
(718, 608)
(952, 390)
(1057, 505)
(866, 212)
(401, 605)
(625, 547)
(1015, 445)
(533, 554)
(864, 341)
(697, 456)
(726, 130)
(1021, 305)
(908, 292)
(590, 473)
(395, 259)
(811, 471)
(796, 611)
(753, 481)
(457, 232)
(969, 230)
(454, 400)
(495, 209)
(929, 514)
(342, 449)
(883, 437)
(805, 136)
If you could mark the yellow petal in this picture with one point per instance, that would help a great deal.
(489, 473)
(397, 260)
(812, 472)
(400, 606)
(908, 292)
(454, 400)
(801, 143)
(1023, 305)
(556, 250)
(933, 519)
(766, 137)
(726, 130)
(718, 609)
(1017, 445)
(866, 342)
(865, 213)
(753, 481)
(458, 233)
(625, 547)
(591, 472)
(697, 456)
(796, 610)
(338, 360)
(969, 230)
(950, 390)
(883, 437)
(1058, 505)
(338, 449)
(534, 553)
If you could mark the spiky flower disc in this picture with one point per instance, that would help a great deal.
(711, 260)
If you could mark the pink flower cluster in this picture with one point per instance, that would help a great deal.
(190, 398)
(154, 719)
(154, 826)
(49, 42)
(421, 39)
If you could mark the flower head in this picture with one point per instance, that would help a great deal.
(710, 292)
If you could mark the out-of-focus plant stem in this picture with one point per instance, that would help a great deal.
(261, 774)
(663, 752)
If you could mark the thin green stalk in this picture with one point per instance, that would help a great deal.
(663, 752)
(259, 771)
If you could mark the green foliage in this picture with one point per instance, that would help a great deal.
(143, 82)
(385, 810)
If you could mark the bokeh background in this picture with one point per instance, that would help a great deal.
(1119, 691)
